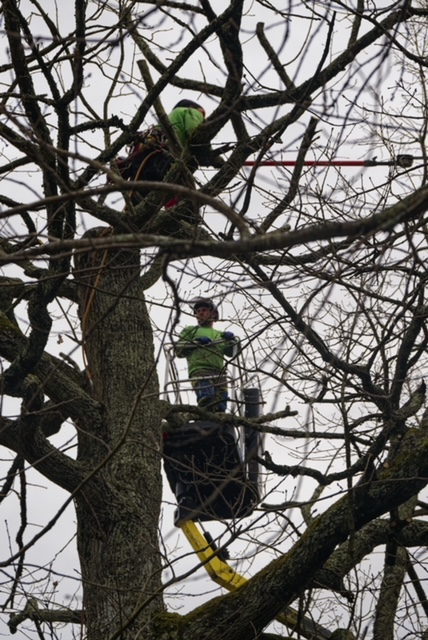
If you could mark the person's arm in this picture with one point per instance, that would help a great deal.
(232, 344)
(188, 342)
(184, 347)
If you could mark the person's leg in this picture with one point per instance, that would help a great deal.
(205, 392)
(222, 397)
(211, 391)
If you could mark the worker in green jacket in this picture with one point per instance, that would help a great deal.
(205, 349)
(185, 118)
(150, 158)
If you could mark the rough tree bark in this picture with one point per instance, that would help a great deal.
(118, 505)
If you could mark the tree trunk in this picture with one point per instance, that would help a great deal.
(118, 507)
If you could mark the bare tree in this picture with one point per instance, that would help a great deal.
(324, 268)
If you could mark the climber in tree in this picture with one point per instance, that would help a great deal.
(150, 157)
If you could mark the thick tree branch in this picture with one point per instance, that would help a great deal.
(396, 559)
(271, 590)
(409, 208)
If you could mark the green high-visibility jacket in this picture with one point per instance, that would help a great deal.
(184, 121)
(210, 356)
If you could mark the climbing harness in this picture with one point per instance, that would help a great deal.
(145, 146)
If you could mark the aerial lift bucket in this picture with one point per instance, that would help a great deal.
(211, 470)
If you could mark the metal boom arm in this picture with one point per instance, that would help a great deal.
(224, 575)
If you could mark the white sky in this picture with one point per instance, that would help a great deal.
(354, 141)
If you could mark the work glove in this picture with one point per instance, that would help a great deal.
(227, 335)
(203, 340)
